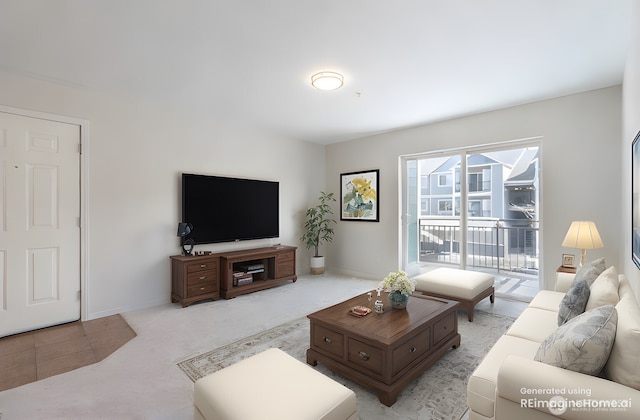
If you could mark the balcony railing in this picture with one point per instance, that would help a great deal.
(497, 244)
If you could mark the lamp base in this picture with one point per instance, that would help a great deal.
(583, 257)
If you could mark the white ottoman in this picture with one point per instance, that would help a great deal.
(272, 385)
(467, 287)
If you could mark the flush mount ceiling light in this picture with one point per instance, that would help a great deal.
(327, 80)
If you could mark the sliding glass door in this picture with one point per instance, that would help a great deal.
(489, 222)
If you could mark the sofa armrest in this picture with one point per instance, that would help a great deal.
(525, 387)
(563, 281)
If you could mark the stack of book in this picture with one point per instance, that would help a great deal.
(240, 278)
(246, 273)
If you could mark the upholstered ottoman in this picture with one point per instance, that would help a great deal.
(467, 287)
(271, 385)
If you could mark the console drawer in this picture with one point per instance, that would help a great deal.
(365, 356)
(444, 327)
(410, 351)
(201, 288)
(210, 276)
(328, 341)
(202, 265)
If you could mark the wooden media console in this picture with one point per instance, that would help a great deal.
(230, 274)
(278, 266)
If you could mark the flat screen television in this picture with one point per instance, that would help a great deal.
(223, 209)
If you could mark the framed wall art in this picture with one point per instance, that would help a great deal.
(568, 260)
(635, 203)
(359, 196)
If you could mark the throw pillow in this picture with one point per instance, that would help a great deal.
(582, 344)
(623, 366)
(574, 301)
(604, 291)
(590, 271)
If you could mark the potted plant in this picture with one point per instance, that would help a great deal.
(399, 286)
(318, 229)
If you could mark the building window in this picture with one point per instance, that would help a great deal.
(444, 180)
(445, 207)
(475, 182)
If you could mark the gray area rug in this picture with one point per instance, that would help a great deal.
(440, 393)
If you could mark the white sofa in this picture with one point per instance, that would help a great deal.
(509, 384)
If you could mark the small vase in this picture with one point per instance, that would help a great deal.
(398, 300)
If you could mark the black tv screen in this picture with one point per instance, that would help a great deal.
(225, 209)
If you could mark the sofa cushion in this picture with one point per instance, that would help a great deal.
(582, 344)
(548, 300)
(604, 290)
(574, 301)
(624, 365)
(534, 324)
(590, 271)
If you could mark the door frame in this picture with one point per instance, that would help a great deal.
(84, 192)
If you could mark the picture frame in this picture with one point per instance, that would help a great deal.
(568, 260)
(635, 200)
(359, 196)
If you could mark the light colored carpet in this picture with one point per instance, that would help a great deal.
(440, 393)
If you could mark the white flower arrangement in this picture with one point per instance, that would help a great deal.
(397, 282)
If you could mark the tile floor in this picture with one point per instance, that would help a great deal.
(39, 354)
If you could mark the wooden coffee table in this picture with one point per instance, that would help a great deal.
(383, 352)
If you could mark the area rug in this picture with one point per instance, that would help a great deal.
(440, 393)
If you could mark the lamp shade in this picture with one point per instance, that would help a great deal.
(583, 235)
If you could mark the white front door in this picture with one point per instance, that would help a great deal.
(39, 223)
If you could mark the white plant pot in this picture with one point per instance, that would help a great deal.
(317, 265)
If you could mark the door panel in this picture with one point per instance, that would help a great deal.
(40, 236)
(43, 275)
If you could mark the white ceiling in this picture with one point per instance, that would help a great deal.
(405, 62)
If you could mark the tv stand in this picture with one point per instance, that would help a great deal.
(256, 269)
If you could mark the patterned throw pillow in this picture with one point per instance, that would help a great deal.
(590, 271)
(574, 301)
(582, 344)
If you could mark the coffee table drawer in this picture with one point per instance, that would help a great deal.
(328, 341)
(444, 327)
(365, 356)
(406, 353)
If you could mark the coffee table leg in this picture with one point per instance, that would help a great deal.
(456, 342)
(388, 398)
(311, 359)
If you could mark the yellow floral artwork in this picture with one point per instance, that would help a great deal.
(359, 192)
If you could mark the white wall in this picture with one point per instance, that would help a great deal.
(580, 177)
(631, 127)
(137, 151)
